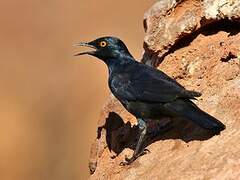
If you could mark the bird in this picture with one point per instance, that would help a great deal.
(146, 92)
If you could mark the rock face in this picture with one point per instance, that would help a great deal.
(198, 44)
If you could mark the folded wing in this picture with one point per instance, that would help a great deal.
(146, 87)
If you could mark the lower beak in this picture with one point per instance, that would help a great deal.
(86, 45)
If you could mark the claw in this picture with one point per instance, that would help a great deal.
(129, 161)
(145, 151)
(123, 163)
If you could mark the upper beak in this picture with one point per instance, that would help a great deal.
(86, 52)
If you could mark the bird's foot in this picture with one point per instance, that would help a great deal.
(129, 161)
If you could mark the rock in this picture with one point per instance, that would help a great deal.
(167, 22)
(190, 42)
(221, 9)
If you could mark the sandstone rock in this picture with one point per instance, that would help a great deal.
(201, 56)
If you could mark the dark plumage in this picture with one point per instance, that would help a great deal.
(146, 92)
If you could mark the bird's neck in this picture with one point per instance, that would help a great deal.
(118, 64)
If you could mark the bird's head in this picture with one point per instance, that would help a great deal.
(105, 48)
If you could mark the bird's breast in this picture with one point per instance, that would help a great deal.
(118, 84)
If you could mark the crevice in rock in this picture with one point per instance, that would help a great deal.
(231, 27)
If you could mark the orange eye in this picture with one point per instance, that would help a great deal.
(103, 43)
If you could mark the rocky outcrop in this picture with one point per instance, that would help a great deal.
(198, 44)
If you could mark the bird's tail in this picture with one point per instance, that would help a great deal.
(187, 109)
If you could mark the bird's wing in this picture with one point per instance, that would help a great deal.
(145, 87)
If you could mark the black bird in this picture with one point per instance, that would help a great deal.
(146, 92)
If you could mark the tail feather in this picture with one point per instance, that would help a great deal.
(187, 109)
(194, 93)
(190, 94)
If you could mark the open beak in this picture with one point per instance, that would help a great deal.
(86, 52)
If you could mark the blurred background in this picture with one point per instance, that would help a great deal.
(49, 100)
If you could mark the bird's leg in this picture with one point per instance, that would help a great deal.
(137, 152)
(143, 131)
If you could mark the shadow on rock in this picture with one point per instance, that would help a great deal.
(120, 135)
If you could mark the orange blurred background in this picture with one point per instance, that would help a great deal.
(50, 100)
